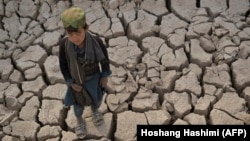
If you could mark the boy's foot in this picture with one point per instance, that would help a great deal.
(97, 118)
(80, 131)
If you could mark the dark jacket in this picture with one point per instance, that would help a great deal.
(89, 69)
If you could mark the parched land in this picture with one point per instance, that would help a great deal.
(173, 62)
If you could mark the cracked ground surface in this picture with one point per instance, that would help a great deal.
(173, 62)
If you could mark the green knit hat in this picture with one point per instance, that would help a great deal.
(74, 17)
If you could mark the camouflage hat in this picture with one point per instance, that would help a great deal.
(74, 17)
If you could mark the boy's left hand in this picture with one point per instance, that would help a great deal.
(103, 82)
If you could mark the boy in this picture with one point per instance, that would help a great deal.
(84, 63)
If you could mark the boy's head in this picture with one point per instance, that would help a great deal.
(74, 22)
(73, 19)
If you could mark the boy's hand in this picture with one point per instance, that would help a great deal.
(103, 82)
(76, 87)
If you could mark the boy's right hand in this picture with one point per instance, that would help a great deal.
(76, 87)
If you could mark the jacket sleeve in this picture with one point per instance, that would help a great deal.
(106, 62)
(63, 62)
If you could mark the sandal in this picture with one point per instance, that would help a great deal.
(80, 131)
(97, 118)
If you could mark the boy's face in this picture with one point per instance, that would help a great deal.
(77, 37)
